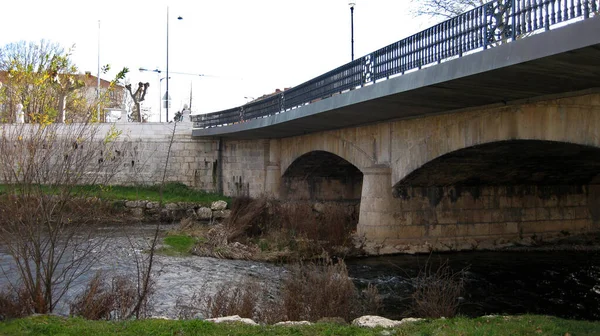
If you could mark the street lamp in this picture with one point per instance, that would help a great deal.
(352, 4)
(167, 91)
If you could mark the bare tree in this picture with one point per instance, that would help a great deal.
(47, 222)
(138, 96)
(443, 9)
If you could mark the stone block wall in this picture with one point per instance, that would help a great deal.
(452, 217)
(191, 161)
(321, 189)
(244, 167)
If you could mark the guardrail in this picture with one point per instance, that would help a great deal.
(494, 23)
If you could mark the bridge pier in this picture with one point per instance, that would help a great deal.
(273, 170)
(376, 216)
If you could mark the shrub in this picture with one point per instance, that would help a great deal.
(309, 292)
(437, 290)
(313, 291)
(230, 298)
(104, 301)
(14, 304)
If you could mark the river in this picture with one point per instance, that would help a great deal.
(559, 283)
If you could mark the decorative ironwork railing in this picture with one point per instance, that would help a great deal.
(489, 25)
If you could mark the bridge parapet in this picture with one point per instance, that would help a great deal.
(496, 22)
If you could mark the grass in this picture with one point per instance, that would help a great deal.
(172, 192)
(515, 325)
(177, 245)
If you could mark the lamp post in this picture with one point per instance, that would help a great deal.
(167, 91)
(352, 4)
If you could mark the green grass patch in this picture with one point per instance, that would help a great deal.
(172, 192)
(178, 244)
(513, 325)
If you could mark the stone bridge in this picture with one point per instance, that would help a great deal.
(474, 151)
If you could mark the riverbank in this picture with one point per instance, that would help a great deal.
(499, 325)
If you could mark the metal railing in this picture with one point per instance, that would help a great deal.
(497, 22)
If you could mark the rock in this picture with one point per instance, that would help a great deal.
(218, 205)
(191, 213)
(234, 318)
(204, 213)
(137, 212)
(372, 321)
(172, 206)
(292, 323)
(187, 205)
(151, 205)
(319, 207)
(222, 214)
(131, 204)
(412, 319)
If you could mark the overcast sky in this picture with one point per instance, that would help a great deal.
(249, 48)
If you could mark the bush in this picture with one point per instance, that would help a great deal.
(104, 301)
(309, 292)
(313, 291)
(15, 304)
(230, 298)
(437, 290)
(280, 231)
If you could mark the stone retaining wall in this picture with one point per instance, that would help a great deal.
(176, 211)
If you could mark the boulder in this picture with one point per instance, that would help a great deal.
(131, 204)
(137, 212)
(151, 205)
(218, 205)
(172, 206)
(204, 213)
(234, 318)
(222, 214)
(191, 213)
(372, 321)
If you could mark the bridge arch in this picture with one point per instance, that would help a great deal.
(323, 177)
(324, 142)
(511, 190)
(574, 120)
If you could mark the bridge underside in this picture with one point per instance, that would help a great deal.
(489, 195)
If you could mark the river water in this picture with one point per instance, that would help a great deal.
(559, 283)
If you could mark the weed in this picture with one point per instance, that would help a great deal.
(106, 301)
(437, 290)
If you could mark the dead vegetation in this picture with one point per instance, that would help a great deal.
(103, 299)
(260, 229)
(437, 290)
(309, 291)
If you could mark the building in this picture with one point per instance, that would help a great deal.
(83, 101)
